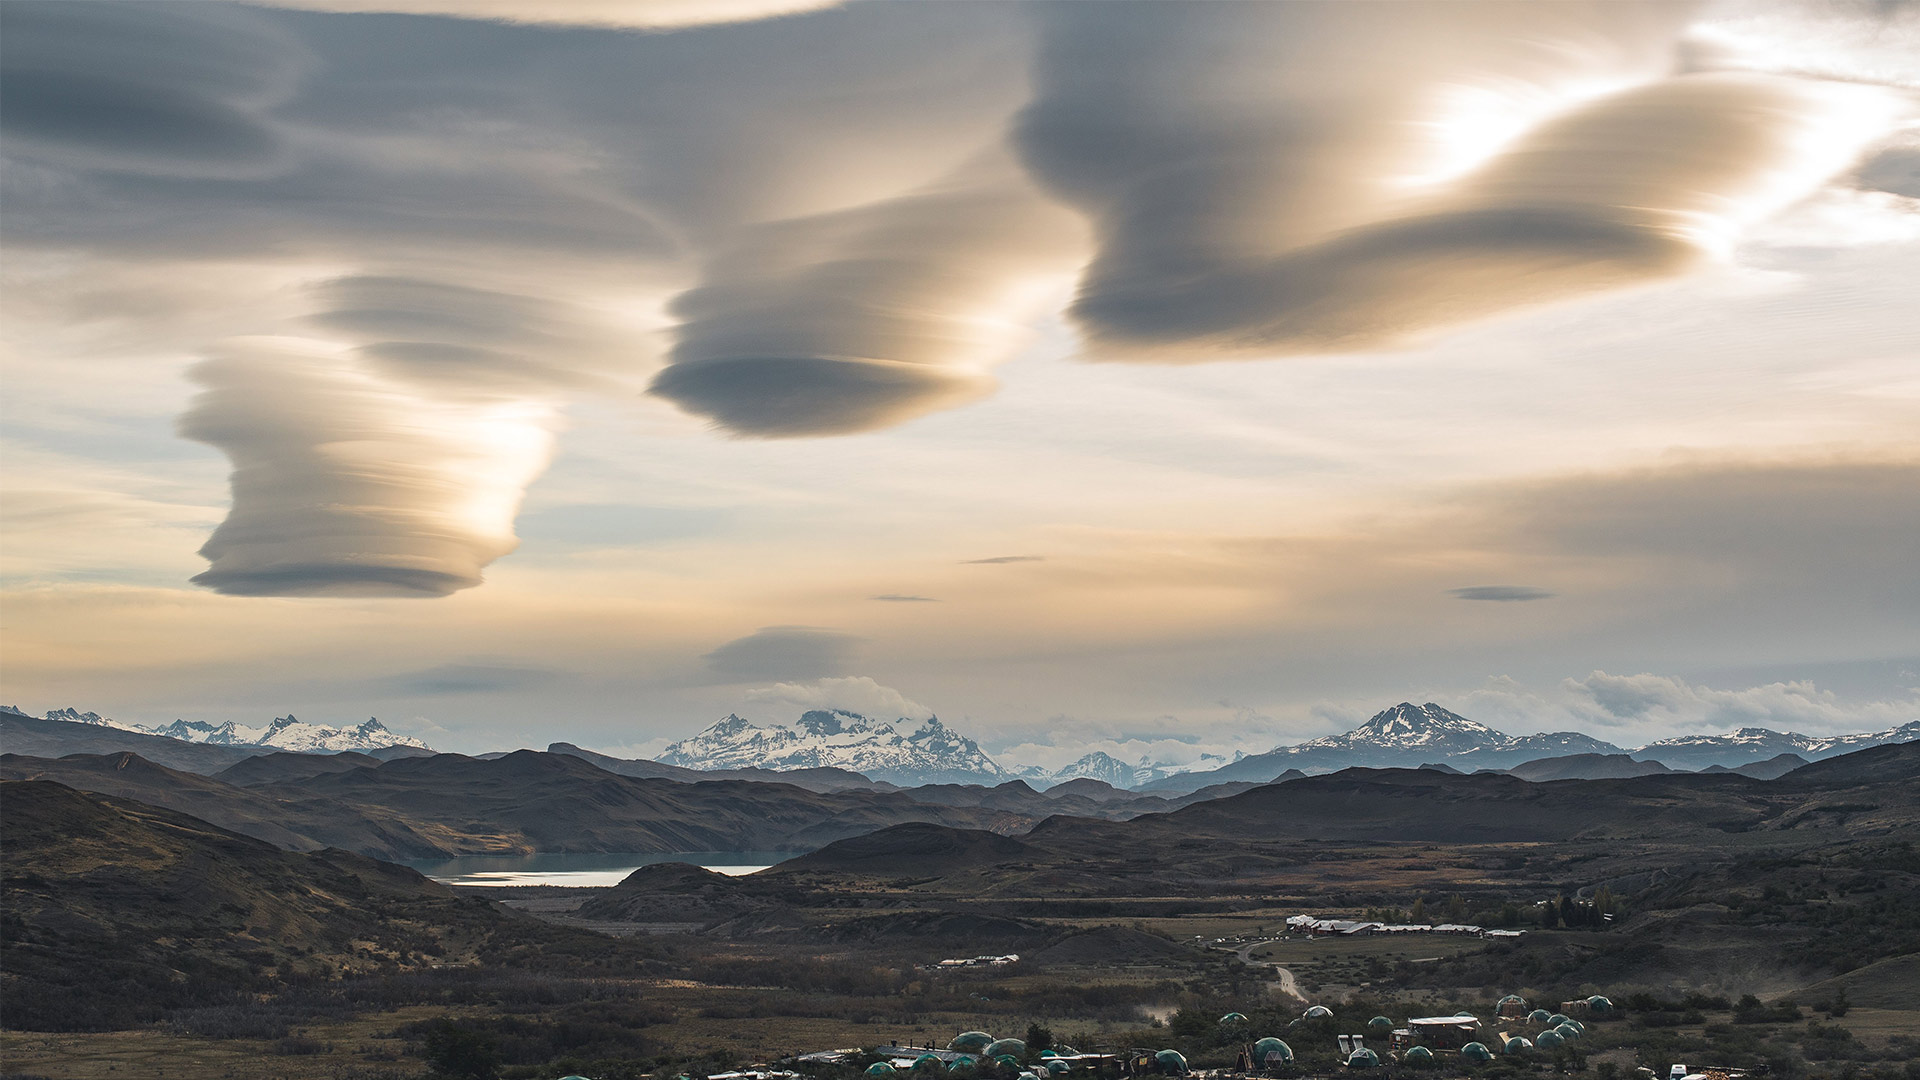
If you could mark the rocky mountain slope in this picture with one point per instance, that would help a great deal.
(107, 903)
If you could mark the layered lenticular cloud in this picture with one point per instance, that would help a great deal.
(1288, 178)
(345, 484)
(824, 222)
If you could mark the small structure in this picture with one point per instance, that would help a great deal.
(1171, 1062)
(1435, 1033)
(1511, 1007)
(1475, 1051)
(1363, 1058)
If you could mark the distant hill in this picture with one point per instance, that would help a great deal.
(283, 733)
(676, 893)
(285, 765)
(1771, 769)
(107, 902)
(911, 849)
(1585, 767)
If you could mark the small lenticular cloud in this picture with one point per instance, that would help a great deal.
(1501, 593)
(899, 598)
(999, 560)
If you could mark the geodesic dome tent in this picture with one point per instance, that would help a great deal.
(1056, 1066)
(1008, 1060)
(1234, 1018)
(1267, 1048)
(1006, 1048)
(1379, 1025)
(963, 1061)
(1316, 1012)
(1363, 1058)
(1475, 1051)
(1171, 1062)
(1539, 1016)
(1600, 1003)
(970, 1042)
(880, 1068)
(1574, 1026)
(1557, 1019)
(930, 1061)
(1547, 1040)
(1516, 1046)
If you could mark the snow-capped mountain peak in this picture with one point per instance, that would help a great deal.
(1407, 726)
(929, 753)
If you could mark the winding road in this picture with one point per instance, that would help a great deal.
(1285, 980)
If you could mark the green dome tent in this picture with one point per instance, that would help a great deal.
(1363, 1059)
(1172, 1062)
(1516, 1046)
(1234, 1018)
(1049, 1053)
(1006, 1048)
(1539, 1016)
(1008, 1060)
(879, 1068)
(970, 1042)
(1056, 1066)
(1475, 1051)
(1379, 1025)
(1600, 1004)
(1575, 1026)
(1317, 1012)
(1024, 1075)
(1557, 1019)
(1418, 1055)
(1269, 1046)
(1547, 1040)
(1513, 999)
(964, 1061)
(929, 1061)
(1567, 1031)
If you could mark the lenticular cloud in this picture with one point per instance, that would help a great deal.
(346, 484)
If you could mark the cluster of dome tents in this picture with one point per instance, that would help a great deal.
(1526, 1031)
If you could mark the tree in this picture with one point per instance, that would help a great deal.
(1456, 908)
(1038, 1038)
(1419, 910)
(462, 1052)
(1840, 1004)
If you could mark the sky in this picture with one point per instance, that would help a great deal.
(1162, 379)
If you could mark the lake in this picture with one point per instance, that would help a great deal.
(583, 869)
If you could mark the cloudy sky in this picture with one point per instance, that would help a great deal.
(1162, 379)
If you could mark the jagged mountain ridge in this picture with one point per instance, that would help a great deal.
(930, 753)
(283, 733)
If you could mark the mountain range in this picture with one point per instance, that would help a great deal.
(283, 733)
(830, 750)
(1409, 735)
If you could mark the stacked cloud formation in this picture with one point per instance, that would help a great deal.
(830, 220)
